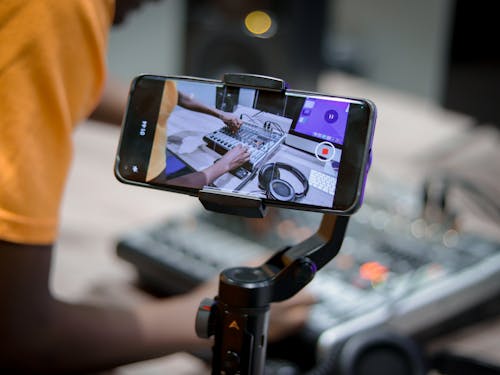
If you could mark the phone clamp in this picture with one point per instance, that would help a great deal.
(231, 203)
(255, 80)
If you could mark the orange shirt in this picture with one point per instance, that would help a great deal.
(52, 70)
(157, 160)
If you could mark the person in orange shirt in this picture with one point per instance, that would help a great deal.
(52, 73)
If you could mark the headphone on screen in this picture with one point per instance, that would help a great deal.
(277, 188)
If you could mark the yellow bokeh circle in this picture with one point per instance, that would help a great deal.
(258, 22)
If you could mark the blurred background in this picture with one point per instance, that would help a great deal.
(443, 51)
(422, 257)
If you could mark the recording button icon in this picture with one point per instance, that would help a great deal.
(325, 151)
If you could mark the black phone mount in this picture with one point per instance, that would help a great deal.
(239, 315)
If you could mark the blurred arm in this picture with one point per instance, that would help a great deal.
(113, 103)
(42, 334)
(188, 102)
(229, 119)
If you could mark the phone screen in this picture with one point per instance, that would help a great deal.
(293, 149)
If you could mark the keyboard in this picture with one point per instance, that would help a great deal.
(391, 271)
(322, 181)
(261, 143)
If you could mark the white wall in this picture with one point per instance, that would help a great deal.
(150, 41)
(400, 43)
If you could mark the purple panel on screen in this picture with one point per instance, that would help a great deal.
(323, 119)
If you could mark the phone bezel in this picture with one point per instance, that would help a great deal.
(362, 152)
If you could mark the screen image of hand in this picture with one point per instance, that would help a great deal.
(232, 122)
(234, 158)
(189, 102)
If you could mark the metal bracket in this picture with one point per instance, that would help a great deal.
(231, 203)
(255, 81)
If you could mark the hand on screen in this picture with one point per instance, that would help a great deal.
(234, 158)
(232, 122)
(196, 180)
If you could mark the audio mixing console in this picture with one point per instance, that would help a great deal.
(391, 271)
(261, 143)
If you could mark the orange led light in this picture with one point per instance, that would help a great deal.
(373, 272)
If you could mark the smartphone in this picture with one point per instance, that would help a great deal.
(290, 148)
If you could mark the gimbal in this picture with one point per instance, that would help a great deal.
(238, 317)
